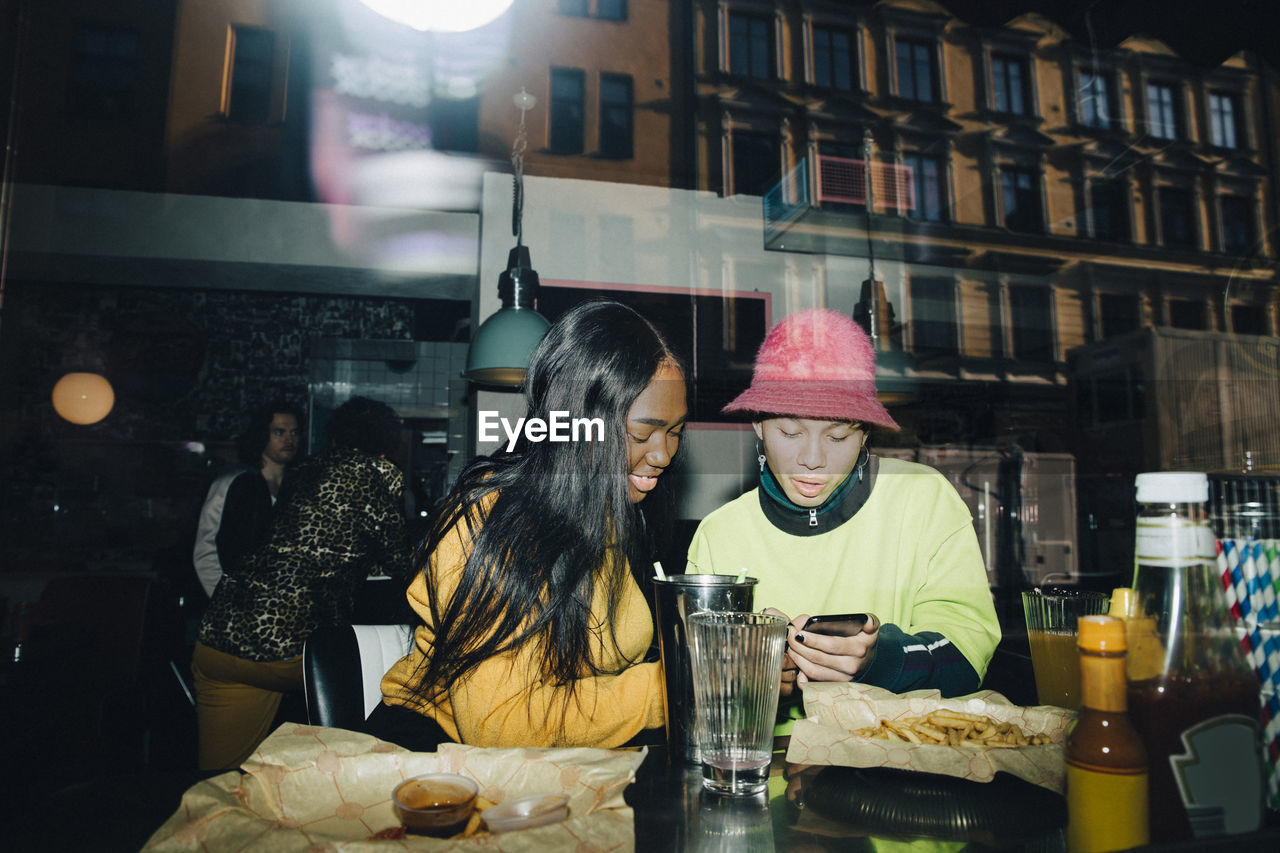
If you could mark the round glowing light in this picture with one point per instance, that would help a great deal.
(441, 16)
(524, 101)
(83, 398)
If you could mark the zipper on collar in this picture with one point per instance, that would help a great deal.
(813, 517)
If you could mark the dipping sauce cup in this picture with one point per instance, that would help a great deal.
(436, 804)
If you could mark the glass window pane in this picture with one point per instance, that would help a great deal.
(1163, 114)
(1119, 313)
(1177, 219)
(616, 132)
(933, 316)
(1249, 319)
(928, 176)
(1021, 200)
(1000, 84)
(251, 73)
(566, 113)
(914, 62)
(1095, 101)
(1238, 219)
(1032, 327)
(750, 46)
(1187, 314)
(755, 164)
(611, 10)
(1222, 120)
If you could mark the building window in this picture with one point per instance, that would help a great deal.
(1119, 314)
(1224, 117)
(1187, 314)
(104, 72)
(1177, 218)
(750, 46)
(1249, 320)
(1238, 233)
(755, 164)
(833, 58)
(930, 182)
(1095, 105)
(249, 89)
(1021, 196)
(611, 10)
(1162, 111)
(917, 71)
(577, 8)
(1109, 209)
(616, 132)
(1032, 326)
(455, 124)
(568, 97)
(1010, 84)
(933, 316)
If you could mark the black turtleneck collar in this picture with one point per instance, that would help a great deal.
(839, 508)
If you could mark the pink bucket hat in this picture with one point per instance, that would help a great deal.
(815, 364)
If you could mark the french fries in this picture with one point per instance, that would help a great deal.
(475, 822)
(954, 728)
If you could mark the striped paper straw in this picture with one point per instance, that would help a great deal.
(1271, 555)
(1228, 583)
(1233, 580)
(1249, 569)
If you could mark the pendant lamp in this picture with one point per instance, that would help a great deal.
(500, 350)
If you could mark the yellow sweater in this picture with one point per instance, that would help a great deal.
(505, 701)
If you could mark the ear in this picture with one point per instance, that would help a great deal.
(758, 426)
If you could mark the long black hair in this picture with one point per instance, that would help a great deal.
(561, 520)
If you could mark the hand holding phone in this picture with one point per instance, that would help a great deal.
(836, 625)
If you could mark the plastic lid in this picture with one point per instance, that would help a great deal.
(1124, 602)
(1172, 487)
(1101, 634)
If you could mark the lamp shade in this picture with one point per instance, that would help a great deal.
(500, 350)
(83, 398)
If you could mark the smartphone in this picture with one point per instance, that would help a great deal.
(841, 625)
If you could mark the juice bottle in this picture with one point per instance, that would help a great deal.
(1193, 695)
(1106, 761)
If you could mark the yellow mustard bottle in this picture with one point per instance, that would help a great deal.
(1106, 760)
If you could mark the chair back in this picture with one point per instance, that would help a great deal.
(343, 668)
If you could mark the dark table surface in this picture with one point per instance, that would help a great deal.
(818, 809)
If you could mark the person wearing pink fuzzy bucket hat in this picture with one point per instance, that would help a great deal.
(835, 529)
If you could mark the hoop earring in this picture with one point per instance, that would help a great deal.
(864, 456)
(759, 456)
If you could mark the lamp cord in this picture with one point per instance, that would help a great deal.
(873, 294)
(517, 190)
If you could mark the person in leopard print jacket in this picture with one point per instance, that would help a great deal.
(339, 518)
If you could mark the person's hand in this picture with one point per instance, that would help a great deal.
(789, 669)
(819, 657)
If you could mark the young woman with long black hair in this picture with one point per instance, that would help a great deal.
(534, 627)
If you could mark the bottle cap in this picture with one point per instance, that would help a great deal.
(1101, 634)
(1124, 602)
(1172, 487)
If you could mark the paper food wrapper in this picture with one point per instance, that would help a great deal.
(835, 710)
(310, 788)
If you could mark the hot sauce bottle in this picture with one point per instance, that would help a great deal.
(1192, 693)
(1106, 761)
